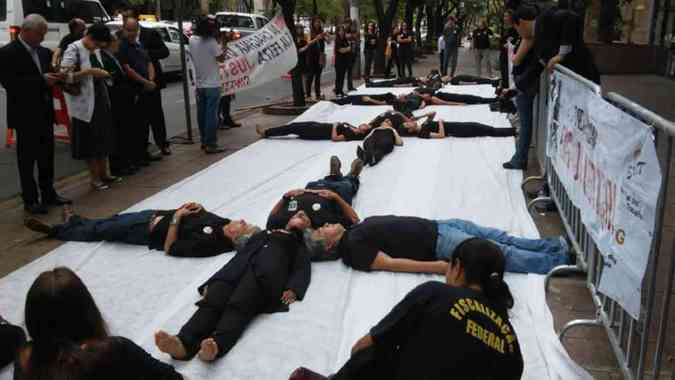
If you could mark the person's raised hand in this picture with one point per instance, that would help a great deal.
(288, 297)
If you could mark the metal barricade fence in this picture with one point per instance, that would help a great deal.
(631, 340)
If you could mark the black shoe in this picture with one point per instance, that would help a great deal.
(351, 89)
(360, 153)
(511, 166)
(166, 151)
(35, 208)
(38, 226)
(213, 150)
(56, 200)
(335, 166)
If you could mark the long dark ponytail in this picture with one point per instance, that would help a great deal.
(483, 263)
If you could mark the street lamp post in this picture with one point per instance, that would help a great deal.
(184, 71)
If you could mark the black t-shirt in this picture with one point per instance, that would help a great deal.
(397, 119)
(439, 332)
(199, 235)
(427, 129)
(371, 41)
(319, 210)
(412, 103)
(397, 236)
(302, 57)
(349, 134)
(482, 38)
(341, 43)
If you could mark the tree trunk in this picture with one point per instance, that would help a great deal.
(384, 22)
(288, 9)
(315, 8)
(608, 14)
(418, 29)
(410, 7)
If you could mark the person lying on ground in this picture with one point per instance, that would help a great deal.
(312, 130)
(459, 80)
(398, 120)
(12, 338)
(444, 98)
(270, 272)
(461, 327)
(439, 129)
(434, 80)
(411, 244)
(379, 143)
(70, 340)
(189, 231)
(327, 200)
(406, 104)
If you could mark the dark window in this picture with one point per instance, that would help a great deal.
(3, 10)
(235, 21)
(63, 11)
(164, 33)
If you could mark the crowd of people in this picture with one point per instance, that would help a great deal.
(271, 266)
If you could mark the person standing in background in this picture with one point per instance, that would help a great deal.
(352, 35)
(452, 39)
(393, 53)
(28, 77)
(225, 120)
(207, 53)
(481, 46)
(301, 48)
(370, 45)
(406, 51)
(343, 55)
(76, 27)
(316, 58)
(441, 49)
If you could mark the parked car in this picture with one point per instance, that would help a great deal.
(241, 24)
(57, 13)
(171, 36)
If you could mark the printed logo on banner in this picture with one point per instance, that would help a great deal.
(258, 58)
(607, 162)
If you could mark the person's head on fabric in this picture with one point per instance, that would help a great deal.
(322, 243)
(238, 232)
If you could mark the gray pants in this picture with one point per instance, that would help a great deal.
(483, 58)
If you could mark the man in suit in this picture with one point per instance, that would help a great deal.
(151, 41)
(27, 76)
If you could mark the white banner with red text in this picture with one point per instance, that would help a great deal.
(258, 58)
(606, 160)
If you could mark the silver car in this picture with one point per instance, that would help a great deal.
(241, 24)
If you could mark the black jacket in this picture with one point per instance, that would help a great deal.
(280, 262)
(29, 99)
(153, 43)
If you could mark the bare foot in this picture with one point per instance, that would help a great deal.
(208, 351)
(260, 130)
(170, 344)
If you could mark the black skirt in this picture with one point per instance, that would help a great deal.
(95, 139)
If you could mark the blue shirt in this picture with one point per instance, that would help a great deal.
(135, 56)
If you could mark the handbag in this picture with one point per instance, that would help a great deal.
(74, 88)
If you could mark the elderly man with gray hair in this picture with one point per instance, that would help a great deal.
(27, 75)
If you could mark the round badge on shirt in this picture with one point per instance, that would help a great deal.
(208, 230)
(316, 207)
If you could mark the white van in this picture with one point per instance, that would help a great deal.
(57, 13)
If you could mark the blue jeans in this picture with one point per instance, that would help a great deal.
(345, 186)
(207, 114)
(524, 104)
(130, 228)
(522, 255)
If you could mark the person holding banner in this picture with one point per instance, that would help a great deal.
(207, 53)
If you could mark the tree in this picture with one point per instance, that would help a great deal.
(288, 10)
(385, 20)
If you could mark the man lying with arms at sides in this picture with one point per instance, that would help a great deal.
(456, 330)
(324, 201)
(439, 129)
(313, 130)
(412, 244)
(270, 271)
(189, 231)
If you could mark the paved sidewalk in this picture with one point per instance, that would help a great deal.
(568, 299)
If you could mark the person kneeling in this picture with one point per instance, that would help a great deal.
(270, 271)
(189, 231)
(459, 329)
(412, 244)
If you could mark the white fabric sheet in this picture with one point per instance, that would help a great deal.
(140, 291)
(483, 90)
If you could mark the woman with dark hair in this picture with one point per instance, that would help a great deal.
(459, 329)
(343, 56)
(370, 45)
(70, 339)
(405, 50)
(316, 58)
(393, 53)
(379, 142)
(92, 130)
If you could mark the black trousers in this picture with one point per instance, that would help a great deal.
(122, 101)
(308, 130)
(369, 56)
(466, 99)
(155, 118)
(313, 75)
(459, 79)
(410, 81)
(357, 100)
(223, 314)
(224, 109)
(350, 71)
(393, 60)
(140, 129)
(405, 61)
(12, 339)
(369, 363)
(341, 67)
(36, 146)
(471, 129)
(377, 146)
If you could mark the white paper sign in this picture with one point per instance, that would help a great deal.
(260, 57)
(606, 160)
